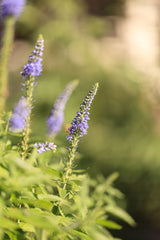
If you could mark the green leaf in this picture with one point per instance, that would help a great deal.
(8, 145)
(79, 171)
(82, 235)
(112, 178)
(115, 192)
(53, 172)
(43, 204)
(14, 134)
(109, 224)
(49, 197)
(62, 192)
(97, 232)
(3, 172)
(26, 227)
(11, 235)
(35, 217)
(8, 224)
(120, 213)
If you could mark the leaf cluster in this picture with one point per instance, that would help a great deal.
(35, 205)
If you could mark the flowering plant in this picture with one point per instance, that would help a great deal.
(42, 195)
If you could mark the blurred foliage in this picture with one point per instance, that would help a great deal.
(35, 205)
(105, 7)
(124, 133)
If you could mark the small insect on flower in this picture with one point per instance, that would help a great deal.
(67, 127)
(17, 122)
(43, 147)
(11, 8)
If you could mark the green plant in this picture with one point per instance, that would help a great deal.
(43, 195)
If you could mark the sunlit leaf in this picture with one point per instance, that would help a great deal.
(108, 224)
(120, 213)
(26, 227)
(49, 197)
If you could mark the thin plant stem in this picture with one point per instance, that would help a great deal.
(27, 130)
(5, 52)
(71, 157)
(44, 235)
(31, 71)
(25, 136)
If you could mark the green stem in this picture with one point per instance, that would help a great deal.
(25, 136)
(5, 52)
(71, 156)
(44, 234)
(27, 130)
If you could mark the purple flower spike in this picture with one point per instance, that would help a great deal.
(43, 147)
(34, 66)
(11, 8)
(79, 124)
(17, 122)
(55, 120)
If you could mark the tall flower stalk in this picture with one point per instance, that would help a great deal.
(78, 128)
(55, 120)
(10, 10)
(32, 70)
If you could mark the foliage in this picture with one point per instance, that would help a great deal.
(43, 196)
(124, 134)
(35, 205)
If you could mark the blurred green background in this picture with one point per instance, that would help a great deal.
(91, 41)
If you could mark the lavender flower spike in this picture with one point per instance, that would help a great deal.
(11, 8)
(79, 124)
(17, 122)
(34, 66)
(55, 120)
(43, 147)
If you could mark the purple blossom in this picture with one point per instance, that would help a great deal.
(11, 8)
(55, 120)
(34, 66)
(43, 147)
(17, 122)
(79, 124)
